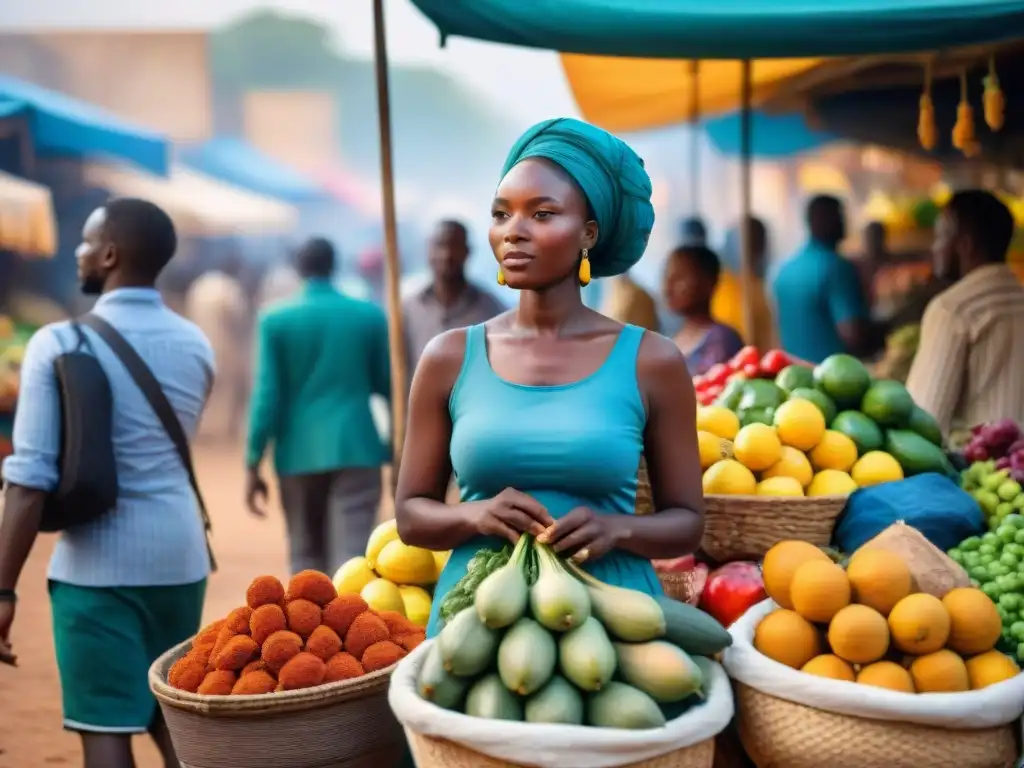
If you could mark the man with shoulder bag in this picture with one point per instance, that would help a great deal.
(107, 407)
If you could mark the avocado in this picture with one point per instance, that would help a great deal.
(863, 431)
(760, 393)
(916, 454)
(888, 403)
(756, 416)
(794, 377)
(843, 378)
(925, 425)
(730, 396)
(819, 398)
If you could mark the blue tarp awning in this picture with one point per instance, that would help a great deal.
(729, 29)
(61, 125)
(771, 136)
(236, 162)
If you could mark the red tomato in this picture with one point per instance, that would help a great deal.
(751, 371)
(700, 383)
(713, 391)
(746, 356)
(731, 590)
(717, 375)
(774, 361)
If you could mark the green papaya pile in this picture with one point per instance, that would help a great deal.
(545, 642)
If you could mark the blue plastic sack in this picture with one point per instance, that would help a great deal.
(933, 504)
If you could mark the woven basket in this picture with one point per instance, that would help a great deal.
(781, 734)
(439, 753)
(746, 527)
(338, 725)
(682, 586)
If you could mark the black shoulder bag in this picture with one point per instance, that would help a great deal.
(146, 381)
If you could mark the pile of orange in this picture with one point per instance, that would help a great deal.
(867, 624)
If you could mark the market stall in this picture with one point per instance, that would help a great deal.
(27, 224)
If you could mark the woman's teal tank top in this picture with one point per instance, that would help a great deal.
(567, 445)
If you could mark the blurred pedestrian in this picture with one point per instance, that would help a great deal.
(217, 303)
(691, 274)
(630, 304)
(319, 358)
(727, 303)
(450, 300)
(125, 586)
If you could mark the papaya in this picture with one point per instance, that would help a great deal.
(467, 646)
(558, 600)
(924, 424)
(557, 702)
(526, 657)
(502, 596)
(915, 454)
(622, 706)
(663, 671)
(627, 614)
(436, 685)
(693, 630)
(489, 698)
(586, 656)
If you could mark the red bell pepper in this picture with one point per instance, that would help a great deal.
(751, 371)
(717, 375)
(731, 590)
(746, 356)
(774, 361)
(713, 392)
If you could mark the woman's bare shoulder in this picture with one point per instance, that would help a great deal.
(661, 355)
(444, 352)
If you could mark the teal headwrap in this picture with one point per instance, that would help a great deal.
(612, 177)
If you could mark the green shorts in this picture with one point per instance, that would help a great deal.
(106, 638)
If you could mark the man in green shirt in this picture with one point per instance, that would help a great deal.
(319, 357)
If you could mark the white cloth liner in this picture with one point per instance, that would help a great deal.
(988, 708)
(555, 746)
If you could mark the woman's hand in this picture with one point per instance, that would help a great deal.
(510, 514)
(584, 534)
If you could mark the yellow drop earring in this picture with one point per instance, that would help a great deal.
(585, 268)
(501, 277)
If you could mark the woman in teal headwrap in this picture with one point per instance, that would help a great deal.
(544, 411)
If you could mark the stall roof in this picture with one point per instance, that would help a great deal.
(62, 125)
(198, 204)
(729, 29)
(772, 136)
(241, 164)
(27, 223)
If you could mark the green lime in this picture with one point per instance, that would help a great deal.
(972, 559)
(1010, 560)
(988, 550)
(970, 544)
(1017, 631)
(980, 574)
(956, 556)
(992, 590)
(844, 379)
(1011, 601)
(990, 538)
(1015, 549)
(795, 377)
(888, 403)
(996, 569)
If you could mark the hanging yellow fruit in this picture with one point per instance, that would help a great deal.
(963, 130)
(927, 133)
(993, 99)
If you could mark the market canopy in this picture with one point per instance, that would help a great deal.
(198, 204)
(241, 164)
(729, 29)
(27, 224)
(771, 136)
(61, 125)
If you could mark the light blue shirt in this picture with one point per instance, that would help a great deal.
(815, 292)
(155, 536)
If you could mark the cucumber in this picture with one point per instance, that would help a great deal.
(691, 629)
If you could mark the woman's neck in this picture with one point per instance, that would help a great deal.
(550, 312)
(698, 318)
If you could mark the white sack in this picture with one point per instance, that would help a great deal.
(988, 708)
(555, 746)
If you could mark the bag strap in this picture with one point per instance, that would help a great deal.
(154, 394)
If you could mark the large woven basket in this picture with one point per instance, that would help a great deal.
(439, 753)
(781, 734)
(338, 725)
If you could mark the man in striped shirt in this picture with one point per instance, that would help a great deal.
(969, 366)
(126, 586)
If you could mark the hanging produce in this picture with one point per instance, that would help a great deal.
(964, 137)
(927, 133)
(993, 100)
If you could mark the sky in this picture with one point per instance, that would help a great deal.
(499, 73)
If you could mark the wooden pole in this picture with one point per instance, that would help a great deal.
(746, 245)
(399, 374)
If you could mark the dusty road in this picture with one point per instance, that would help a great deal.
(30, 715)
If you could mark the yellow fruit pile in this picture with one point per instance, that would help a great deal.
(866, 625)
(797, 456)
(392, 576)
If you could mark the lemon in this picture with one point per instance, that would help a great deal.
(440, 561)
(718, 421)
(834, 451)
(402, 564)
(383, 595)
(757, 447)
(831, 482)
(780, 486)
(876, 467)
(712, 448)
(382, 535)
(793, 464)
(353, 576)
(799, 423)
(729, 477)
(417, 604)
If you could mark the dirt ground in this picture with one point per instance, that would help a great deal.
(30, 712)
